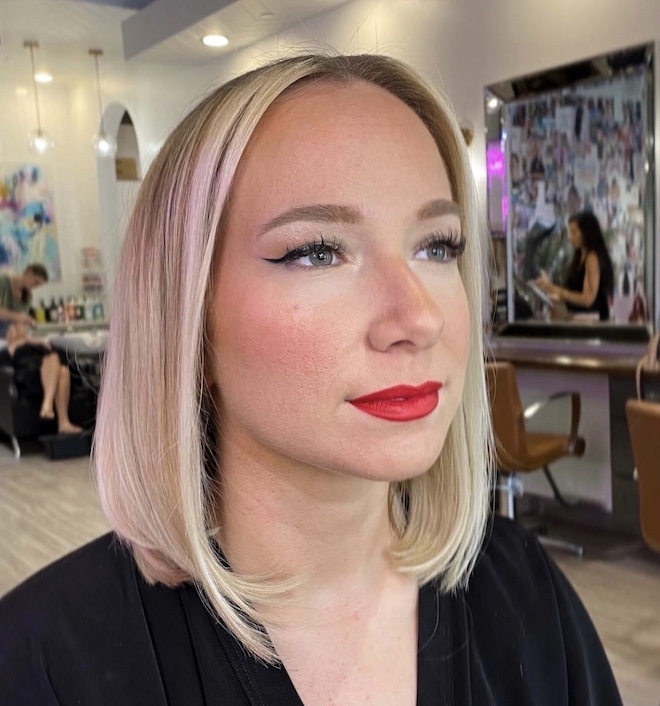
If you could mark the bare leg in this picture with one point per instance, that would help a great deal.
(62, 402)
(50, 375)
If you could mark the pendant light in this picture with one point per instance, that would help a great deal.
(105, 144)
(39, 141)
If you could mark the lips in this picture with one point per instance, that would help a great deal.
(402, 403)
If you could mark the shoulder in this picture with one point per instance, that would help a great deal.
(592, 261)
(512, 566)
(92, 571)
(525, 615)
(73, 627)
(507, 542)
(78, 591)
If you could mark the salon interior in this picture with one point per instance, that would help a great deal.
(559, 102)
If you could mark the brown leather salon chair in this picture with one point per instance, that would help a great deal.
(644, 426)
(521, 451)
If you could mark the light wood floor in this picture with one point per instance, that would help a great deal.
(48, 508)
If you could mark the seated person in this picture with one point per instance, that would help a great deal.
(16, 295)
(40, 375)
(589, 283)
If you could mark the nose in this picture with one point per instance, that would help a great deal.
(406, 313)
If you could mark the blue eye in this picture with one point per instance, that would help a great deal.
(441, 249)
(318, 254)
(321, 257)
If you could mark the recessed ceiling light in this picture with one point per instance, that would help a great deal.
(21, 91)
(215, 40)
(43, 77)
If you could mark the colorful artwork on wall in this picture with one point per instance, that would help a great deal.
(28, 230)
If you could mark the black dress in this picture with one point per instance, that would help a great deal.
(575, 283)
(89, 631)
(26, 362)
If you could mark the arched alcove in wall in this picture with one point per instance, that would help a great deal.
(118, 180)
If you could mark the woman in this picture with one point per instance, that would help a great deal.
(589, 284)
(304, 454)
(40, 375)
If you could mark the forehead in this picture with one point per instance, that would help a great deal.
(329, 110)
(323, 140)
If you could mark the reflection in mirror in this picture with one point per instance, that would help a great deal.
(571, 140)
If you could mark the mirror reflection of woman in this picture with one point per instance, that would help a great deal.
(293, 442)
(589, 283)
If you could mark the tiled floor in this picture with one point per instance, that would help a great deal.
(48, 508)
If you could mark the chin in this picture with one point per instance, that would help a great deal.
(393, 465)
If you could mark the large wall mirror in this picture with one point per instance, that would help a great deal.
(572, 139)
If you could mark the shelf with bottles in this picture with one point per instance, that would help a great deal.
(70, 310)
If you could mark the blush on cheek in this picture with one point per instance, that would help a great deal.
(281, 351)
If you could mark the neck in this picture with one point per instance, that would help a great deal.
(294, 520)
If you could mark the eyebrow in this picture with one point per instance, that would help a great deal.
(335, 213)
(438, 208)
(319, 213)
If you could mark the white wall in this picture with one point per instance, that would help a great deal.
(73, 193)
(464, 45)
(461, 45)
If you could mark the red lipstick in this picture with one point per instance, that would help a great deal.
(402, 403)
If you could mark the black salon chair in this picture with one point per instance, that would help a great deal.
(19, 415)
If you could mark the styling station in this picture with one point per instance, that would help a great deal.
(572, 139)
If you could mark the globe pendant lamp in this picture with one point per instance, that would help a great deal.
(39, 140)
(105, 144)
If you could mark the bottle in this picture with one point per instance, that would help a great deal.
(40, 313)
(71, 309)
(89, 309)
(98, 310)
(61, 311)
(53, 315)
(80, 308)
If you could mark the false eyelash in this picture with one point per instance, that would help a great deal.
(455, 244)
(310, 248)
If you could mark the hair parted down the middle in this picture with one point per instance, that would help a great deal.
(155, 458)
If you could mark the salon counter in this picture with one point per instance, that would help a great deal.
(603, 372)
(595, 355)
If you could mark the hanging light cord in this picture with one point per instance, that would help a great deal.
(96, 53)
(31, 46)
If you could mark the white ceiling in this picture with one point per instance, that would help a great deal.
(164, 31)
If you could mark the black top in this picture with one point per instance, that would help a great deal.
(575, 283)
(88, 630)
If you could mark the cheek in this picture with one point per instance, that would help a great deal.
(267, 344)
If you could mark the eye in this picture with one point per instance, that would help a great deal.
(441, 248)
(320, 257)
(315, 254)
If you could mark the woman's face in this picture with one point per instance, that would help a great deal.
(575, 234)
(335, 281)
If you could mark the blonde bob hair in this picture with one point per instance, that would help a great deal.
(155, 457)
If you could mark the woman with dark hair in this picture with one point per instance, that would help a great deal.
(589, 282)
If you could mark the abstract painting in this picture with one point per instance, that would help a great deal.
(28, 230)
